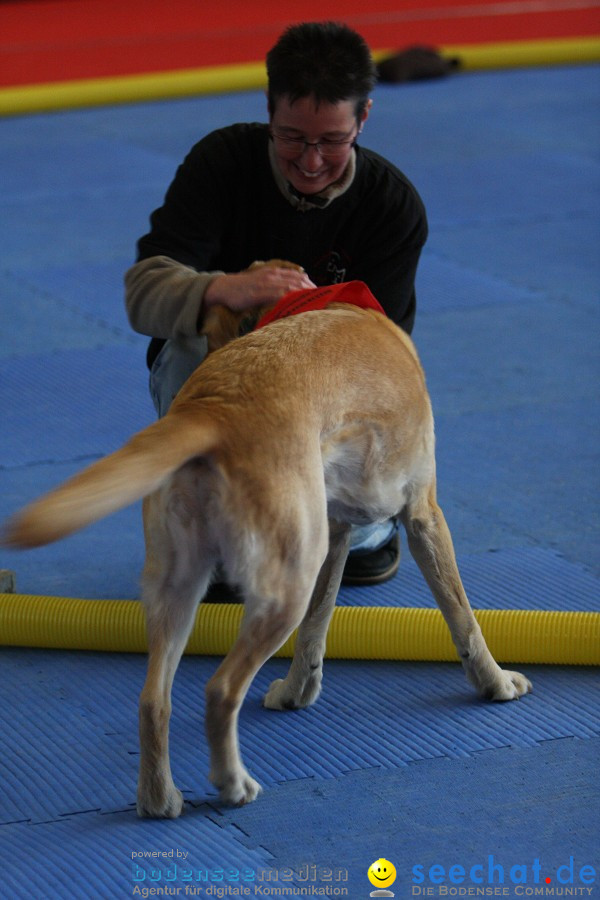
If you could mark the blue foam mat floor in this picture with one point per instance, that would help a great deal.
(396, 760)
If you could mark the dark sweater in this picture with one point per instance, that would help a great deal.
(224, 210)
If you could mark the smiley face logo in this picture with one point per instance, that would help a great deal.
(381, 873)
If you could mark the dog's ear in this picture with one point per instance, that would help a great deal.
(221, 325)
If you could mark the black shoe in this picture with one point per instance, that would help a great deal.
(220, 592)
(373, 567)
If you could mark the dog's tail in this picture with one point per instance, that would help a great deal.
(133, 472)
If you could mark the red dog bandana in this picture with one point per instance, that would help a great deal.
(354, 292)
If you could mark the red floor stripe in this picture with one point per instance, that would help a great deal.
(61, 40)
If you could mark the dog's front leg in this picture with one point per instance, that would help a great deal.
(302, 685)
(430, 543)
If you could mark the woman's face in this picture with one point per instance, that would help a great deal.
(313, 142)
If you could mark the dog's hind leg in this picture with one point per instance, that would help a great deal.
(430, 543)
(266, 626)
(175, 577)
(302, 685)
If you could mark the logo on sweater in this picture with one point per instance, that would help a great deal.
(331, 268)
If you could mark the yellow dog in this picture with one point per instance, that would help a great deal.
(276, 444)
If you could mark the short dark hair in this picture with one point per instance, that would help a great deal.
(325, 60)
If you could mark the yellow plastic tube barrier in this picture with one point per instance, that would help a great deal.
(398, 633)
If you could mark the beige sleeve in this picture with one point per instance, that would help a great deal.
(163, 298)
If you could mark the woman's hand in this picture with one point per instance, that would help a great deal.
(256, 287)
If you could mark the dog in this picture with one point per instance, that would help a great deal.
(279, 442)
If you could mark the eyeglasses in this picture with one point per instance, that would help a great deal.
(295, 146)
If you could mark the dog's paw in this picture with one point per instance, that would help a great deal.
(281, 696)
(237, 789)
(509, 686)
(278, 697)
(163, 804)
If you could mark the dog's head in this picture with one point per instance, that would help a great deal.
(222, 325)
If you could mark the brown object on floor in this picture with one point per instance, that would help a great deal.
(416, 64)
